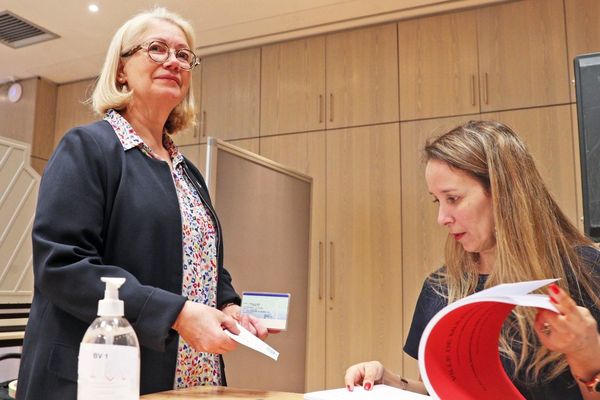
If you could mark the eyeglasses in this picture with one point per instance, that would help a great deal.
(160, 52)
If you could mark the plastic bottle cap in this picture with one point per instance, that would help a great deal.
(111, 306)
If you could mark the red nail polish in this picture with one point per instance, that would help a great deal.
(552, 299)
(367, 386)
(555, 289)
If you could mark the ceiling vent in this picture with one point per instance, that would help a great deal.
(18, 32)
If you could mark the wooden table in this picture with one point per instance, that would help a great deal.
(220, 392)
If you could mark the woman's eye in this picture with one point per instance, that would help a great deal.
(157, 48)
(184, 55)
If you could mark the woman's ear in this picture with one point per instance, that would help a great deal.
(121, 77)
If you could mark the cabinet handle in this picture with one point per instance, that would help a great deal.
(320, 108)
(321, 283)
(473, 94)
(330, 107)
(485, 88)
(203, 130)
(331, 273)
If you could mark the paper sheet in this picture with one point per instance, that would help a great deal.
(251, 341)
(378, 392)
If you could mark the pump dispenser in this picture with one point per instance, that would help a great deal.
(109, 356)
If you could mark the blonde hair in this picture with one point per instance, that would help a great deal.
(108, 93)
(534, 238)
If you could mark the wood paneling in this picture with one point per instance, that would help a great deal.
(362, 77)
(522, 55)
(306, 153)
(45, 107)
(72, 108)
(438, 67)
(230, 95)
(364, 290)
(583, 31)
(18, 119)
(293, 87)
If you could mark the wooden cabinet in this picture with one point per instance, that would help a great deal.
(72, 108)
(356, 275)
(306, 153)
(423, 245)
(364, 296)
(338, 80)
(362, 77)
(583, 31)
(547, 131)
(230, 95)
(438, 66)
(494, 58)
(293, 87)
(522, 49)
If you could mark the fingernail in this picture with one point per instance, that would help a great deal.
(552, 299)
(555, 289)
(349, 388)
(368, 386)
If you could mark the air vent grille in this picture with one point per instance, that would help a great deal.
(17, 32)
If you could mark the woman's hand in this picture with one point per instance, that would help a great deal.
(202, 327)
(249, 322)
(573, 332)
(366, 374)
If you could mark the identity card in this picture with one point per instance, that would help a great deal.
(270, 308)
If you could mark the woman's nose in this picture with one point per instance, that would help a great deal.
(172, 62)
(444, 217)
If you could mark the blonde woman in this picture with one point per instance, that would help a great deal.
(118, 199)
(504, 226)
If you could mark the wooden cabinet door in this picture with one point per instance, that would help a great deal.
(522, 48)
(191, 135)
(230, 95)
(423, 245)
(362, 77)
(71, 107)
(364, 290)
(306, 153)
(547, 131)
(438, 68)
(293, 87)
(583, 31)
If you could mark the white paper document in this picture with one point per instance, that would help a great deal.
(251, 341)
(378, 392)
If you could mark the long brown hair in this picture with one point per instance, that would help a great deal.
(534, 238)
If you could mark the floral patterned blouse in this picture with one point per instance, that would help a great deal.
(199, 254)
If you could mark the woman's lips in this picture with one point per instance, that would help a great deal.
(170, 78)
(458, 236)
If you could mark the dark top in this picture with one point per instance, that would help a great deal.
(103, 211)
(563, 387)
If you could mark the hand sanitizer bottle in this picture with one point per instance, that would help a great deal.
(109, 356)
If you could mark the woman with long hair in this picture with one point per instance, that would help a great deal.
(504, 226)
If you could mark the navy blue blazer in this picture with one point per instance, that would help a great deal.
(104, 211)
